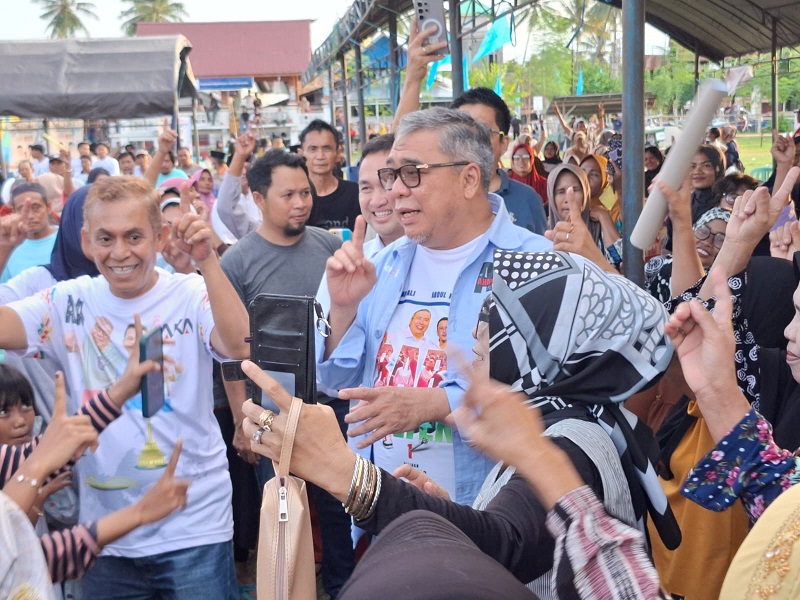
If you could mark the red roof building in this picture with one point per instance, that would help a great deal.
(261, 49)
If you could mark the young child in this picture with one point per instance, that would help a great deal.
(17, 420)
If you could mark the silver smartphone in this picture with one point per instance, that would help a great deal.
(431, 13)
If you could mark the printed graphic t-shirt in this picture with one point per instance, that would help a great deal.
(88, 331)
(414, 353)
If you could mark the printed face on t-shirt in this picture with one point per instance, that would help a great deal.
(124, 245)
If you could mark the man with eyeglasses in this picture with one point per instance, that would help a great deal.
(438, 176)
(524, 205)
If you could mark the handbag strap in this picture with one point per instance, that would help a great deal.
(288, 437)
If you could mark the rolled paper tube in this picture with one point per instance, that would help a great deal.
(709, 99)
(53, 140)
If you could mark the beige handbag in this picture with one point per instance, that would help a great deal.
(286, 569)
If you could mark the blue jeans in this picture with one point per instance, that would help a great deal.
(188, 574)
(338, 555)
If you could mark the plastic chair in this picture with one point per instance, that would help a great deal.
(762, 173)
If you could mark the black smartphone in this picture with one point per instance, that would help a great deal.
(151, 347)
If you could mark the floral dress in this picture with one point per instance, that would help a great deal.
(746, 464)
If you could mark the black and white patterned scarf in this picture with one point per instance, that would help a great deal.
(579, 342)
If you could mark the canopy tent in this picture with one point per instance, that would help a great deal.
(95, 78)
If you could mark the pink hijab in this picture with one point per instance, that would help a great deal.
(209, 198)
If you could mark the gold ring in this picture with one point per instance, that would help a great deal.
(265, 419)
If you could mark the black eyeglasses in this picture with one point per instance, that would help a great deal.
(409, 174)
(702, 233)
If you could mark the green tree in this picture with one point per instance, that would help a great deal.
(673, 82)
(151, 11)
(64, 16)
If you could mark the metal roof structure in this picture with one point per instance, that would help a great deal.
(719, 29)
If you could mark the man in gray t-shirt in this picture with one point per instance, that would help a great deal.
(284, 256)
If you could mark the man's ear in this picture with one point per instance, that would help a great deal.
(162, 235)
(504, 144)
(471, 178)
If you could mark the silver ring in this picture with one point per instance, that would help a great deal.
(566, 239)
(258, 433)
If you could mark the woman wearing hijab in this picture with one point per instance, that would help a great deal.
(552, 156)
(604, 234)
(203, 182)
(604, 205)
(709, 235)
(523, 169)
(653, 160)
(575, 371)
(707, 167)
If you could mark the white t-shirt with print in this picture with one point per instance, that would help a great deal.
(414, 354)
(86, 327)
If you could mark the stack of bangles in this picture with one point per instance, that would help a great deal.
(365, 488)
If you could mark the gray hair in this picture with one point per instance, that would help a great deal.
(461, 138)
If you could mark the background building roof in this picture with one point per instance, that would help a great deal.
(260, 49)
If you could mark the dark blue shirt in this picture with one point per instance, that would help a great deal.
(523, 204)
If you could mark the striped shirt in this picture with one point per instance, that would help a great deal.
(596, 556)
(69, 553)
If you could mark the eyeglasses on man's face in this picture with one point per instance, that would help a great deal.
(410, 174)
(703, 232)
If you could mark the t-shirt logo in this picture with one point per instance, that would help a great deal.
(74, 311)
(485, 278)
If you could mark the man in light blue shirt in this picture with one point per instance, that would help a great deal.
(438, 175)
(26, 237)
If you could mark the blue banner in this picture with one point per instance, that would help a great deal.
(224, 84)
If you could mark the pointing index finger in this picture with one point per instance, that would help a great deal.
(60, 401)
(575, 209)
(360, 233)
(173, 460)
(186, 197)
(272, 388)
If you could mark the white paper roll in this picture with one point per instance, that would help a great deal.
(709, 99)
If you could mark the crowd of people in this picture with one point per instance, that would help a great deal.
(606, 441)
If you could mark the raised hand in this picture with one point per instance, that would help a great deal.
(350, 275)
(755, 212)
(66, 438)
(679, 201)
(320, 454)
(13, 229)
(129, 383)
(167, 139)
(245, 143)
(782, 148)
(166, 495)
(191, 234)
(421, 55)
(705, 346)
(785, 240)
(572, 235)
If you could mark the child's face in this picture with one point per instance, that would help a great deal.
(16, 424)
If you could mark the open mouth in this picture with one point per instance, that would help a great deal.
(122, 270)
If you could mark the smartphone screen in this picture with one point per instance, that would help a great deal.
(151, 347)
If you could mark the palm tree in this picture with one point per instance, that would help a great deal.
(64, 16)
(151, 11)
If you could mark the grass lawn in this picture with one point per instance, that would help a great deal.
(754, 149)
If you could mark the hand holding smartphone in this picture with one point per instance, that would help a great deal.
(151, 347)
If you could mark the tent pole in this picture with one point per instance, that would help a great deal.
(456, 49)
(632, 133)
(394, 78)
(195, 130)
(346, 104)
(362, 119)
(774, 77)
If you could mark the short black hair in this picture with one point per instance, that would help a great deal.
(655, 151)
(714, 131)
(171, 155)
(730, 183)
(377, 145)
(14, 388)
(487, 97)
(125, 154)
(319, 125)
(259, 175)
